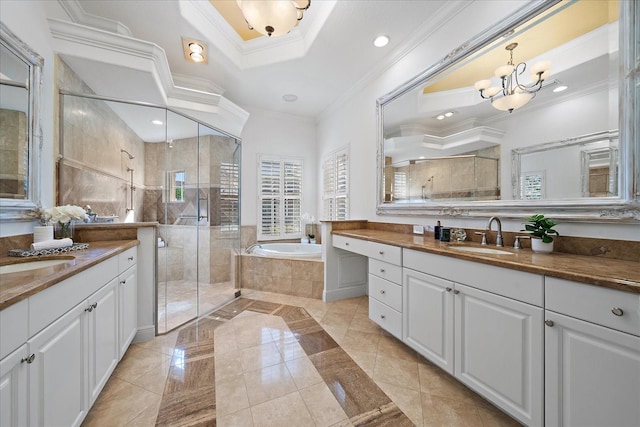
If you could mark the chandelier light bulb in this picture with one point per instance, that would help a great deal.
(512, 94)
(272, 18)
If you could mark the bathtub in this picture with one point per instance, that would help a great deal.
(288, 250)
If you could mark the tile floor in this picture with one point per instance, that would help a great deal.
(257, 375)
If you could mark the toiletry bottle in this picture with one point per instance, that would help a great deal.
(436, 231)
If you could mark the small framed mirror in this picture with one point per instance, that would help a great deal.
(20, 131)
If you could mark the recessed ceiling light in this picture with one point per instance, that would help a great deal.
(440, 117)
(561, 88)
(289, 97)
(448, 114)
(381, 41)
(194, 50)
(157, 122)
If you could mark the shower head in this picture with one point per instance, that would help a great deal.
(131, 156)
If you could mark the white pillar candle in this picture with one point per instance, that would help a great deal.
(42, 233)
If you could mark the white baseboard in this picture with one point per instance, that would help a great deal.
(344, 293)
(146, 333)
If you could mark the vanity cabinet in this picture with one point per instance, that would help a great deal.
(473, 324)
(77, 331)
(428, 320)
(128, 299)
(592, 355)
(13, 388)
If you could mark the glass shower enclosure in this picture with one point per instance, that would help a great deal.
(134, 162)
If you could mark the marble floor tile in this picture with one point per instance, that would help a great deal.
(287, 410)
(276, 360)
(268, 383)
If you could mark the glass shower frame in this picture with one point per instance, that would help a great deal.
(208, 239)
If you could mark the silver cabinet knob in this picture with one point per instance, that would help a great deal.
(382, 316)
(382, 291)
(549, 322)
(448, 289)
(382, 270)
(122, 282)
(617, 311)
(456, 292)
(381, 252)
(130, 258)
(29, 358)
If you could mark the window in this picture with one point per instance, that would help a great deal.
(335, 170)
(229, 206)
(399, 185)
(175, 181)
(280, 194)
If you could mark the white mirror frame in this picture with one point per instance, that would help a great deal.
(12, 209)
(625, 208)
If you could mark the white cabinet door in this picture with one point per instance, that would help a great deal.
(128, 310)
(13, 388)
(499, 352)
(428, 317)
(102, 320)
(592, 374)
(57, 380)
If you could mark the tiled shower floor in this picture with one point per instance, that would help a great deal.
(261, 361)
(180, 305)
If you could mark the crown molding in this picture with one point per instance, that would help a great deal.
(76, 13)
(259, 51)
(133, 68)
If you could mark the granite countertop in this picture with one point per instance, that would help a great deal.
(17, 286)
(611, 273)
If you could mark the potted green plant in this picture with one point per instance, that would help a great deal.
(541, 229)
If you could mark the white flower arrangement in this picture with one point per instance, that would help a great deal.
(307, 218)
(60, 214)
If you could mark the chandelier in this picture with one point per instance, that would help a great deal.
(513, 94)
(273, 17)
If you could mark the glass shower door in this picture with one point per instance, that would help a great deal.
(178, 229)
(219, 218)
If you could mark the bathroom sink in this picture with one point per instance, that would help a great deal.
(477, 250)
(34, 265)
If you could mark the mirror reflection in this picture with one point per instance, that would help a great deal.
(462, 135)
(20, 70)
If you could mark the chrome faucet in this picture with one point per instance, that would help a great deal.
(499, 235)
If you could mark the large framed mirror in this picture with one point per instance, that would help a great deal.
(539, 113)
(20, 130)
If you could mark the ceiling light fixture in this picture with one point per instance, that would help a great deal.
(157, 122)
(561, 88)
(381, 41)
(446, 115)
(290, 97)
(195, 51)
(513, 94)
(273, 17)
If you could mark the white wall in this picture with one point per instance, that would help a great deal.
(353, 120)
(286, 135)
(27, 20)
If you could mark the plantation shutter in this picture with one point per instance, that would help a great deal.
(229, 200)
(336, 186)
(280, 188)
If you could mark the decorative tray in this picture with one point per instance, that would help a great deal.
(54, 251)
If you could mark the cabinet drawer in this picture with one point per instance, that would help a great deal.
(387, 271)
(386, 292)
(594, 304)
(14, 325)
(388, 253)
(389, 319)
(350, 244)
(53, 302)
(127, 259)
(518, 285)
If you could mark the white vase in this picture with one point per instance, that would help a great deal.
(42, 233)
(537, 245)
